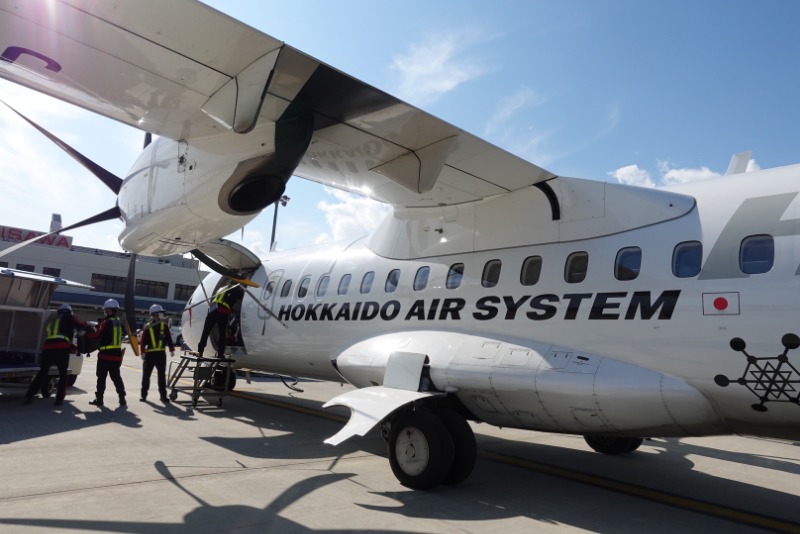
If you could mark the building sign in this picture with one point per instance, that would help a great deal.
(16, 235)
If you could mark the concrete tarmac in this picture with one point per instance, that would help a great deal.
(257, 464)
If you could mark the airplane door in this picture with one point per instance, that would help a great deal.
(268, 296)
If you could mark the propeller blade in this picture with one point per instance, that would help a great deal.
(107, 215)
(130, 305)
(112, 181)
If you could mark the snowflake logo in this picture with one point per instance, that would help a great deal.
(772, 378)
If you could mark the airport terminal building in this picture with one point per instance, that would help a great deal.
(168, 281)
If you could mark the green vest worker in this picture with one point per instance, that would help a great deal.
(218, 315)
(154, 340)
(57, 344)
(109, 356)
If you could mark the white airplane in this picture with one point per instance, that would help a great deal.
(494, 292)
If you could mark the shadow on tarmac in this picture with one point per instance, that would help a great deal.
(495, 491)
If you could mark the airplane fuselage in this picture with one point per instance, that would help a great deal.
(590, 343)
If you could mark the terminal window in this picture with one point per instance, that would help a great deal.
(51, 271)
(151, 288)
(108, 284)
(183, 292)
(25, 267)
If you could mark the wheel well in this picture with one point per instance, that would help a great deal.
(447, 402)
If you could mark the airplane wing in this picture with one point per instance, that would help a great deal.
(182, 70)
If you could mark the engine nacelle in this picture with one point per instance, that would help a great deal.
(180, 194)
(540, 387)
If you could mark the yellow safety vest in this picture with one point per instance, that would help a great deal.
(116, 340)
(52, 332)
(219, 300)
(156, 345)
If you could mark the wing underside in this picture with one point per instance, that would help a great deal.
(182, 70)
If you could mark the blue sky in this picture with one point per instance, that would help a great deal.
(642, 92)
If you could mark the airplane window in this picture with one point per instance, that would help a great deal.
(454, 276)
(576, 267)
(302, 289)
(687, 258)
(322, 286)
(421, 279)
(756, 254)
(491, 273)
(392, 280)
(286, 289)
(366, 282)
(531, 269)
(270, 288)
(344, 283)
(629, 261)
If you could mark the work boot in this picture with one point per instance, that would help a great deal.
(143, 398)
(122, 400)
(165, 400)
(97, 402)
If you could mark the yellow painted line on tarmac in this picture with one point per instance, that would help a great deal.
(658, 496)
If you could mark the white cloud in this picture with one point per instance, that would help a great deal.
(633, 175)
(350, 218)
(508, 107)
(434, 66)
(668, 175)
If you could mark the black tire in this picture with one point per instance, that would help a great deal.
(420, 450)
(219, 379)
(465, 449)
(71, 379)
(49, 386)
(635, 444)
(610, 445)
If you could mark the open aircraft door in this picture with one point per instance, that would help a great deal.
(228, 258)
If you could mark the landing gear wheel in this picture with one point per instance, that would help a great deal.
(609, 445)
(465, 449)
(219, 380)
(420, 450)
(49, 386)
(634, 444)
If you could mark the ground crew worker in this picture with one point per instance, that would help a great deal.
(154, 339)
(218, 315)
(109, 354)
(57, 345)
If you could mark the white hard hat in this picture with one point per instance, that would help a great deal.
(156, 308)
(111, 304)
(65, 307)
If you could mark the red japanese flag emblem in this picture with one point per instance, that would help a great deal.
(721, 303)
